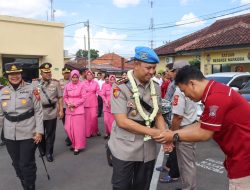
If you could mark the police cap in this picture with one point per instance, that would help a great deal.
(45, 67)
(13, 68)
(179, 65)
(145, 54)
(66, 70)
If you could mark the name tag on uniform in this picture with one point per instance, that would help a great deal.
(5, 97)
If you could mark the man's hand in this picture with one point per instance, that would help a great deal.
(165, 137)
(155, 132)
(168, 147)
(37, 138)
(60, 114)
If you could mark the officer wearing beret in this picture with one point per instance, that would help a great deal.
(22, 119)
(52, 102)
(65, 80)
(136, 105)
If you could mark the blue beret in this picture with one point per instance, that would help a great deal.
(146, 55)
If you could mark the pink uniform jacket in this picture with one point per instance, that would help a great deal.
(75, 94)
(92, 89)
(105, 93)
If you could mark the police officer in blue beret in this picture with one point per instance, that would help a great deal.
(133, 100)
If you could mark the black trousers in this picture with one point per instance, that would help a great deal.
(129, 175)
(48, 140)
(100, 106)
(22, 153)
(172, 164)
(2, 136)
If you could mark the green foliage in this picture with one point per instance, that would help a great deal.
(196, 63)
(3, 81)
(160, 71)
(84, 53)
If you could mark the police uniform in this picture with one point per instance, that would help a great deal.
(21, 116)
(63, 83)
(50, 92)
(132, 156)
(183, 106)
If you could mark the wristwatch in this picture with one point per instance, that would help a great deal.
(176, 138)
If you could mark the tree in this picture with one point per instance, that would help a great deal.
(196, 63)
(84, 53)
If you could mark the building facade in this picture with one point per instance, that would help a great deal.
(32, 43)
(223, 46)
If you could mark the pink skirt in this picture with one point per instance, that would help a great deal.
(108, 121)
(91, 121)
(75, 128)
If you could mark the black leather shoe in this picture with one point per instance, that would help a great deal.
(2, 143)
(30, 187)
(76, 152)
(50, 158)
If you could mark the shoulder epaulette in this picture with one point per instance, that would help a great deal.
(156, 82)
(55, 80)
(122, 81)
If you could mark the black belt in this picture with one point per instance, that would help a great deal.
(144, 123)
(49, 105)
(21, 117)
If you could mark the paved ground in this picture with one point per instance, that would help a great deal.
(89, 170)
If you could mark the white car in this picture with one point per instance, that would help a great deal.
(236, 80)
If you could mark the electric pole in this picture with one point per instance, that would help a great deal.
(87, 25)
(152, 25)
(51, 11)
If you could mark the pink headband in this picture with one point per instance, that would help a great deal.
(112, 76)
(88, 71)
(74, 72)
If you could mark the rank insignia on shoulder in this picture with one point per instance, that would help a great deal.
(116, 91)
(37, 94)
(122, 81)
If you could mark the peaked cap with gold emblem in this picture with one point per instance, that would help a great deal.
(45, 67)
(13, 68)
(66, 70)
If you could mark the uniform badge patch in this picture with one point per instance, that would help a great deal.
(213, 110)
(4, 104)
(6, 92)
(116, 91)
(175, 100)
(37, 94)
(24, 102)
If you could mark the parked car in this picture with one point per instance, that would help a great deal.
(245, 91)
(236, 80)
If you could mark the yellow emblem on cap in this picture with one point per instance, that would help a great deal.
(46, 66)
(13, 68)
(4, 104)
(24, 102)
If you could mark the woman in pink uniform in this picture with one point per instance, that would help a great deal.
(91, 105)
(108, 116)
(75, 97)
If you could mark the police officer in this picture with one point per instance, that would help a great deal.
(22, 118)
(65, 80)
(184, 113)
(133, 151)
(52, 102)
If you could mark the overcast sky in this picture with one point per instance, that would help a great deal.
(120, 25)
